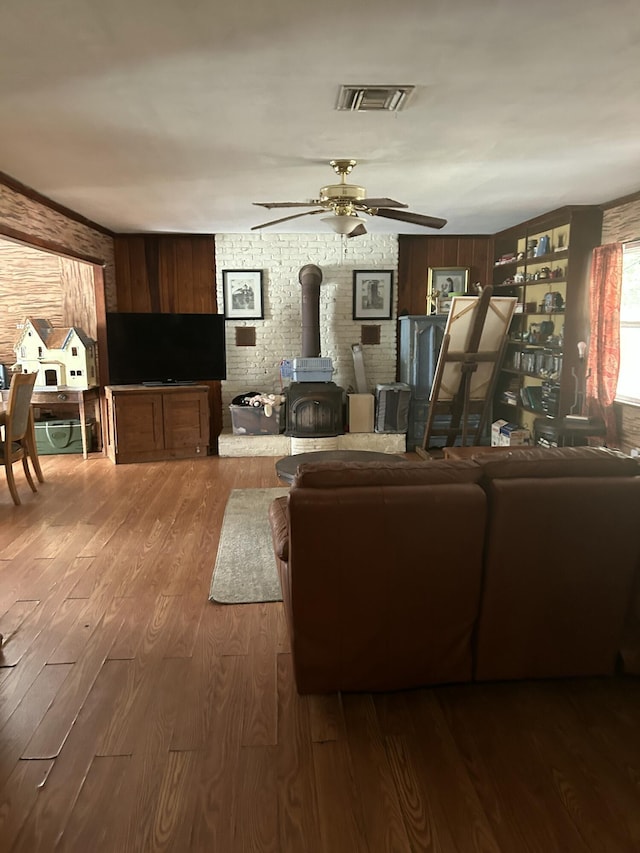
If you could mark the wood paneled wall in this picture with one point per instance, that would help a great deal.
(170, 274)
(418, 253)
(34, 283)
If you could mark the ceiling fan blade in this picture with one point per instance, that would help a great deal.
(381, 202)
(286, 219)
(273, 204)
(358, 231)
(413, 218)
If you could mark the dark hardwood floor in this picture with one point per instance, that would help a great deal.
(135, 715)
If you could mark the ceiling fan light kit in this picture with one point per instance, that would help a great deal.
(343, 223)
(344, 202)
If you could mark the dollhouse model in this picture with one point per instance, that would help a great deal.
(62, 358)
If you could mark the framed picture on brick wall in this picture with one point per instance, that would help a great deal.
(372, 291)
(243, 294)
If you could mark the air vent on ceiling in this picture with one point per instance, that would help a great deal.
(374, 98)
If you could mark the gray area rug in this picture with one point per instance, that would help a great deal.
(245, 569)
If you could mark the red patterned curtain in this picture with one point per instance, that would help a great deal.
(603, 362)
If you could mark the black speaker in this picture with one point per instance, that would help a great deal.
(5, 378)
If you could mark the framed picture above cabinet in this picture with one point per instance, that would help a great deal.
(442, 281)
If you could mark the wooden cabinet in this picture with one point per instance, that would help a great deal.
(545, 262)
(420, 343)
(146, 424)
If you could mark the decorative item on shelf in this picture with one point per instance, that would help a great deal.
(558, 272)
(553, 301)
(546, 330)
(534, 333)
(543, 247)
(520, 256)
(443, 304)
(442, 281)
(531, 248)
(519, 278)
(542, 274)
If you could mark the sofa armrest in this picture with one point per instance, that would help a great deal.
(279, 521)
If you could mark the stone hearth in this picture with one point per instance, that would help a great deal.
(284, 445)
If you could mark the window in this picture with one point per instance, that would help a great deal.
(74, 350)
(628, 390)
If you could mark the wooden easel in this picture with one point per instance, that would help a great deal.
(467, 369)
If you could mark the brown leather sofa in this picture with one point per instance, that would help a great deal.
(403, 574)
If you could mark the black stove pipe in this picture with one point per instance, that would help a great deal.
(310, 277)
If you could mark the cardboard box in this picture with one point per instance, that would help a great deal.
(514, 435)
(360, 412)
(495, 431)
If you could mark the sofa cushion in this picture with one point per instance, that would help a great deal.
(332, 475)
(559, 462)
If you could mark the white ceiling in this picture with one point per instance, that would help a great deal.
(175, 115)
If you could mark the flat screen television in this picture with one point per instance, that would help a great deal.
(165, 349)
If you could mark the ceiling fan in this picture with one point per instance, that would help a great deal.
(344, 202)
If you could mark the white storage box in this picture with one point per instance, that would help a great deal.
(495, 431)
(312, 369)
(514, 435)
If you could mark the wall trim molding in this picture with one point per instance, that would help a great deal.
(617, 202)
(48, 245)
(34, 195)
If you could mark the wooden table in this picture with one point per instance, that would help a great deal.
(69, 397)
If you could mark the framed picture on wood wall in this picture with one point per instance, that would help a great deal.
(243, 294)
(442, 281)
(372, 291)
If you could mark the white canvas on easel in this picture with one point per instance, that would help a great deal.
(459, 328)
(472, 349)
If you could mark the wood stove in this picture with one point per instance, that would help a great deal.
(314, 409)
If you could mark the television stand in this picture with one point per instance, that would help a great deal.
(169, 383)
(148, 424)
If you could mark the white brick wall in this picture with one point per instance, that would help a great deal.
(279, 335)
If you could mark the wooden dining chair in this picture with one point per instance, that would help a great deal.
(17, 425)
